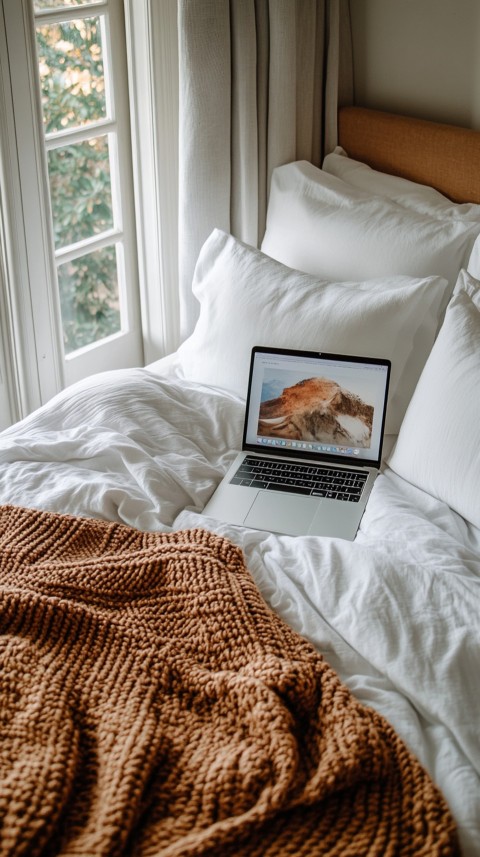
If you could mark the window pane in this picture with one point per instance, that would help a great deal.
(89, 298)
(71, 70)
(80, 190)
(40, 5)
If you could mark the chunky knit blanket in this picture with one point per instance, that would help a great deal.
(152, 704)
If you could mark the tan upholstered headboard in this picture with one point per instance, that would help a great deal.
(446, 157)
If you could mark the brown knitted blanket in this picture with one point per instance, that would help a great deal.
(152, 704)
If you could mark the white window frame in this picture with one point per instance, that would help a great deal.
(152, 51)
(36, 343)
(26, 376)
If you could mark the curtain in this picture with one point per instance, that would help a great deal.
(260, 84)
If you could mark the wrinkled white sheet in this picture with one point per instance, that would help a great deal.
(396, 613)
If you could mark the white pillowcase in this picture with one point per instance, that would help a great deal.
(438, 447)
(318, 223)
(417, 197)
(248, 299)
(413, 195)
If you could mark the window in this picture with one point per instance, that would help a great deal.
(68, 73)
(81, 145)
(88, 231)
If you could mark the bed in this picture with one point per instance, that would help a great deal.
(173, 685)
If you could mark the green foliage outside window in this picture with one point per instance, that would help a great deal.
(89, 304)
(73, 94)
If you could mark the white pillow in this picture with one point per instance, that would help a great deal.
(248, 299)
(438, 447)
(318, 223)
(413, 195)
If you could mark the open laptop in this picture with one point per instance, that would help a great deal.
(312, 444)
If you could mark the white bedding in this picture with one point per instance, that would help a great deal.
(396, 612)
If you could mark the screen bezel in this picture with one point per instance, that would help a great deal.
(316, 457)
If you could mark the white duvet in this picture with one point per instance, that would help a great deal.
(396, 613)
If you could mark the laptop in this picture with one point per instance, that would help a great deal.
(312, 444)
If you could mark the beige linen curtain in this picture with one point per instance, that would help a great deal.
(260, 83)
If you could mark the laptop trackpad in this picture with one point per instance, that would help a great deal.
(281, 513)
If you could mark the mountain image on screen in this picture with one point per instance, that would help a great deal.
(317, 409)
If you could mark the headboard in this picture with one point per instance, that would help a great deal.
(445, 157)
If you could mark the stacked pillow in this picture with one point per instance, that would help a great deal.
(349, 227)
(417, 197)
(438, 447)
(247, 299)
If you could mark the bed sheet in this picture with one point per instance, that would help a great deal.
(395, 612)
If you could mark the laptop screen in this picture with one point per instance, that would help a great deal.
(315, 405)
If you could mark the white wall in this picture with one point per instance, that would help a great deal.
(418, 57)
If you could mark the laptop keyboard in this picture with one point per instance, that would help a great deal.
(338, 484)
